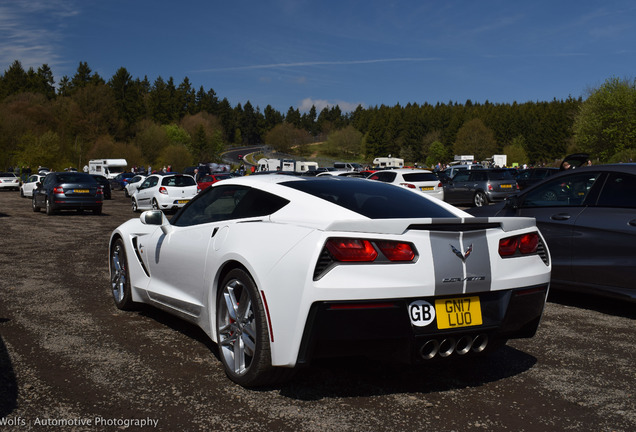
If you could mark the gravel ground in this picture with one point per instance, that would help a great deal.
(69, 360)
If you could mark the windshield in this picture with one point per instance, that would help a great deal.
(375, 200)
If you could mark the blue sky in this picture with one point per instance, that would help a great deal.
(298, 53)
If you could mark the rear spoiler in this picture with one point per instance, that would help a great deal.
(400, 226)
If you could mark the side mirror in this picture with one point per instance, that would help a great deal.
(156, 217)
(512, 202)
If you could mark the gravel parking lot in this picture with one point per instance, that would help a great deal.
(69, 360)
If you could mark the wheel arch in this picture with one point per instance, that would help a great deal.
(223, 270)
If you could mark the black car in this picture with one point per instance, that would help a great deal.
(103, 181)
(478, 187)
(68, 191)
(530, 176)
(588, 217)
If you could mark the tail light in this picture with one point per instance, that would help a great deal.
(396, 251)
(353, 250)
(349, 250)
(100, 190)
(408, 185)
(198, 188)
(524, 244)
(359, 250)
(163, 190)
(58, 190)
(489, 187)
(439, 185)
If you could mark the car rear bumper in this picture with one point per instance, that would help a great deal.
(383, 328)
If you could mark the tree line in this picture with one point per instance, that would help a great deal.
(161, 122)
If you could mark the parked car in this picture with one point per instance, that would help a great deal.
(530, 176)
(279, 270)
(9, 180)
(133, 185)
(478, 187)
(120, 181)
(26, 190)
(416, 179)
(164, 192)
(588, 218)
(68, 191)
(452, 170)
(104, 183)
(208, 180)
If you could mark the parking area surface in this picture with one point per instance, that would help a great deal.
(69, 360)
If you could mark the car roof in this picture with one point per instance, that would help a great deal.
(404, 170)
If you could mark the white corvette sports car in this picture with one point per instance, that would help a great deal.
(279, 270)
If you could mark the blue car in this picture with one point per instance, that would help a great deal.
(120, 182)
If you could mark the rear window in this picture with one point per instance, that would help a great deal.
(418, 177)
(75, 178)
(178, 181)
(6, 174)
(375, 200)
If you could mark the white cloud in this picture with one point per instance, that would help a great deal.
(31, 31)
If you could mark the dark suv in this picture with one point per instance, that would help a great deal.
(480, 186)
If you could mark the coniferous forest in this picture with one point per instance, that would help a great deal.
(66, 123)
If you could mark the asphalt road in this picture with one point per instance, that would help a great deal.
(69, 360)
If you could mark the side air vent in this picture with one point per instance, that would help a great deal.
(541, 251)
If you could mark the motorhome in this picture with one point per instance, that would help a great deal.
(109, 168)
(289, 165)
(388, 162)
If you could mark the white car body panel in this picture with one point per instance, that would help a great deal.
(280, 252)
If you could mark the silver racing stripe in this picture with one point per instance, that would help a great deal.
(461, 261)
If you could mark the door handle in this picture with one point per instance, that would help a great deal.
(632, 222)
(560, 216)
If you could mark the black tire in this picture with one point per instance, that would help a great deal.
(480, 199)
(126, 193)
(120, 277)
(36, 208)
(49, 207)
(135, 207)
(155, 205)
(22, 193)
(247, 336)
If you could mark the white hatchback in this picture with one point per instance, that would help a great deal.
(416, 179)
(26, 190)
(133, 184)
(164, 192)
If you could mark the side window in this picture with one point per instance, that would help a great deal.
(618, 191)
(228, 202)
(461, 176)
(565, 191)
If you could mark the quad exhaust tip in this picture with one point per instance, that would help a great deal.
(448, 346)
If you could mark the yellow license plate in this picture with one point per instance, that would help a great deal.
(81, 191)
(182, 201)
(427, 188)
(506, 186)
(458, 312)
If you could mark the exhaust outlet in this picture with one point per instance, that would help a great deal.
(464, 344)
(447, 347)
(429, 349)
(480, 343)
